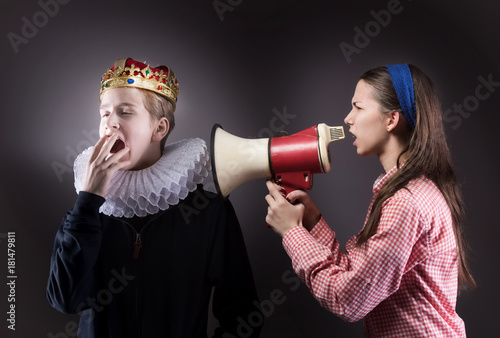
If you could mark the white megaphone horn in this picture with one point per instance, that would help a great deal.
(291, 160)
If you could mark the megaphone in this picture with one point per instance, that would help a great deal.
(291, 160)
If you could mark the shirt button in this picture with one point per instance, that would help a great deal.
(368, 280)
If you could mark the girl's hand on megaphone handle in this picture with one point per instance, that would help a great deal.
(281, 214)
(312, 214)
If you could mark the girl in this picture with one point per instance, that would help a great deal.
(402, 271)
(144, 245)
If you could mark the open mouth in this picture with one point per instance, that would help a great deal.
(119, 145)
(355, 138)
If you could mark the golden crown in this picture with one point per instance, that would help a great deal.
(130, 73)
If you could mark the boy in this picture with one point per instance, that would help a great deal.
(144, 245)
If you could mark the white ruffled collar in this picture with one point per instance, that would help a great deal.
(183, 165)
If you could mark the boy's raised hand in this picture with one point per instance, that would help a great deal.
(101, 167)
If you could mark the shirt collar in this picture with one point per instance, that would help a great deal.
(382, 179)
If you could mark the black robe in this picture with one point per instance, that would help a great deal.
(153, 277)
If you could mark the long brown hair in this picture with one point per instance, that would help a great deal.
(426, 153)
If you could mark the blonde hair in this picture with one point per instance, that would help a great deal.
(158, 106)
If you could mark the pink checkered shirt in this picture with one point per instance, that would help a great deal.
(402, 282)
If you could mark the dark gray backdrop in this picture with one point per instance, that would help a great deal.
(243, 66)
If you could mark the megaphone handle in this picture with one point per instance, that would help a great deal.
(293, 181)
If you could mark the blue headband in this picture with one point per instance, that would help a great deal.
(403, 84)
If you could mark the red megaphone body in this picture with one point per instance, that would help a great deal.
(291, 160)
